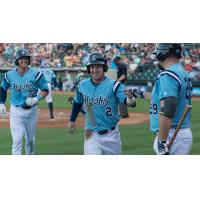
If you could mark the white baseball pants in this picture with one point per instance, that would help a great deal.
(23, 122)
(106, 144)
(182, 144)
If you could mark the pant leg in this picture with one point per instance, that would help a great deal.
(17, 126)
(31, 124)
(111, 143)
(49, 96)
(49, 100)
(183, 143)
(92, 145)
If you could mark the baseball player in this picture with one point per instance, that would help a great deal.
(101, 96)
(122, 77)
(50, 77)
(170, 94)
(23, 83)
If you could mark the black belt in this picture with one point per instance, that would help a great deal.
(105, 131)
(26, 107)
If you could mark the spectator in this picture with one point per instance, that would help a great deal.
(3, 61)
(75, 54)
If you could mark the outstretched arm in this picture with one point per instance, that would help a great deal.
(141, 94)
(3, 95)
(74, 114)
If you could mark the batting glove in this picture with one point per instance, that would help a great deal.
(138, 93)
(162, 148)
(2, 110)
(130, 94)
(31, 101)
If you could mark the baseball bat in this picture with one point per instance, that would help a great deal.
(187, 109)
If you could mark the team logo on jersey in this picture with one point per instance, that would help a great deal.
(97, 100)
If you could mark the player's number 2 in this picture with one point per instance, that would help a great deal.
(108, 111)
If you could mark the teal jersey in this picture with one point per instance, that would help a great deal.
(48, 74)
(101, 102)
(24, 86)
(173, 82)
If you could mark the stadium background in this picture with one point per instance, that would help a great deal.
(67, 57)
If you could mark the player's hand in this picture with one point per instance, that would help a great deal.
(130, 94)
(138, 93)
(161, 148)
(3, 110)
(31, 101)
(88, 134)
(71, 127)
(131, 98)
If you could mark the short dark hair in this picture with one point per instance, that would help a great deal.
(116, 59)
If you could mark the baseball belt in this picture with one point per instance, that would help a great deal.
(103, 132)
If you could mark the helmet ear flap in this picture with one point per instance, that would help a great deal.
(105, 68)
(164, 50)
(16, 62)
(88, 69)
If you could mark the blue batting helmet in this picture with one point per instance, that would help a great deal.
(22, 53)
(97, 59)
(164, 50)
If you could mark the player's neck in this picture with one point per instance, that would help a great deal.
(21, 70)
(168, 62)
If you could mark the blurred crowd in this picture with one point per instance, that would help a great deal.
(75, 55)
(58, 55)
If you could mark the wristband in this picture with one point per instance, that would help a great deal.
(39, 97)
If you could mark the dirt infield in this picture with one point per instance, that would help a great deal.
(62, 115)
(195, 98)
(61, 119)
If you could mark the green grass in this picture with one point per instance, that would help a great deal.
(136, 139)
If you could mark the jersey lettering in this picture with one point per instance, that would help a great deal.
(22, 87)
(97, 100)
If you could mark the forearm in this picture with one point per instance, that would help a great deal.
(141, 94)
(43, 94)
(164, 127)
(3, 95)
(75, 111)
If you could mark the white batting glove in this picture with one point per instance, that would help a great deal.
(2, 110)
(131, 99)
(160, 147)
(31, 101)
(131, 102)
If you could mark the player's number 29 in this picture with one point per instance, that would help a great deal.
(153, 109)
(188, 88)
